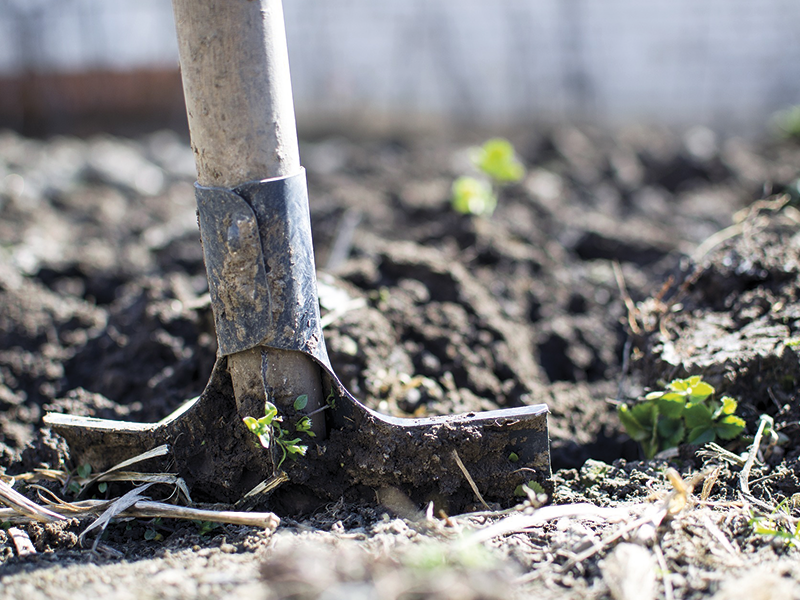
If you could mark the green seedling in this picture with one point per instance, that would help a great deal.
(779, 525)
(685, 411)
(151, 534)
(473, 196)
(532, 485)
(497, 159)
(205, 527)
(787, 122)
(83, 471)
(268, 430)
(498, 163)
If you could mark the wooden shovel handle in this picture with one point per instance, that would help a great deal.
(235, 70)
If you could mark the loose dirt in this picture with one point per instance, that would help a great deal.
(620, 262)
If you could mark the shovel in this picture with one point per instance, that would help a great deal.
(321, 444)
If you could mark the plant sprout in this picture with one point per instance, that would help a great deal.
(498, 163)
(268, 430)
(683, 412)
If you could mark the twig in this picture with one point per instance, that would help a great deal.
(21, 505)
(633, 312)
(744, 476)
(343, 242)
(149, 509)
(720, 537)
(662, 564)
(21, 542)
(261, 490)
(518, 523)
(114, 509)
(469, 479)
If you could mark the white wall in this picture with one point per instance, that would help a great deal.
(719, 62)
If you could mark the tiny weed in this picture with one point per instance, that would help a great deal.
(301, 402)
(151, 534)
(206, 527)
(498, 163)
(533, 485)
(84, 471)
(498, 160)
(102, 487)
(331, 400)
(268, 429)
(683, 412)
(473, 196)
(787, 122)
(778, 525)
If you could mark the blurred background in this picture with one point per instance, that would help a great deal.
(86, 65)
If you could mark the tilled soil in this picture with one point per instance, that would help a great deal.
(619, 262)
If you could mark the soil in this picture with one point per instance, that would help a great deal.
(620, 262)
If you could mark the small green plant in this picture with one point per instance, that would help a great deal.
(532, 485)
(268, 430)
(498, 163)
(151, 534)
(779, 525)
(83, 471)
(787, 122)
(683, 412)
(205, 527)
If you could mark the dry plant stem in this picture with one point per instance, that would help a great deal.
(149, 509)
(20, 505)
(469, 479)
(744, 476)
(662, 565)
(235, 71)
(21, 542)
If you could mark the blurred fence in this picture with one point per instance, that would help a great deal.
(725, 63)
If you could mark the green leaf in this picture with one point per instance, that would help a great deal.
(700, 392)
(676, 439)
(293, 447)
(680, 385)
(671, 405)
(251, 423)
(472, 196)
(536, 486)
(697, 415)
(671, 432)
(513, 457)
(102, 487)
(270, 412)
(701, 435)
(729, 427)
(498, 160)
(301, 402)
(84, 471)
(674, 396)
(650, 448)
(633, 427)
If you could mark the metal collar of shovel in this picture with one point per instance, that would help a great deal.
(259, 258)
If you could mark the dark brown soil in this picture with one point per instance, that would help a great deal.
(104, 312)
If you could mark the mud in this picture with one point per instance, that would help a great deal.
(596, 279)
